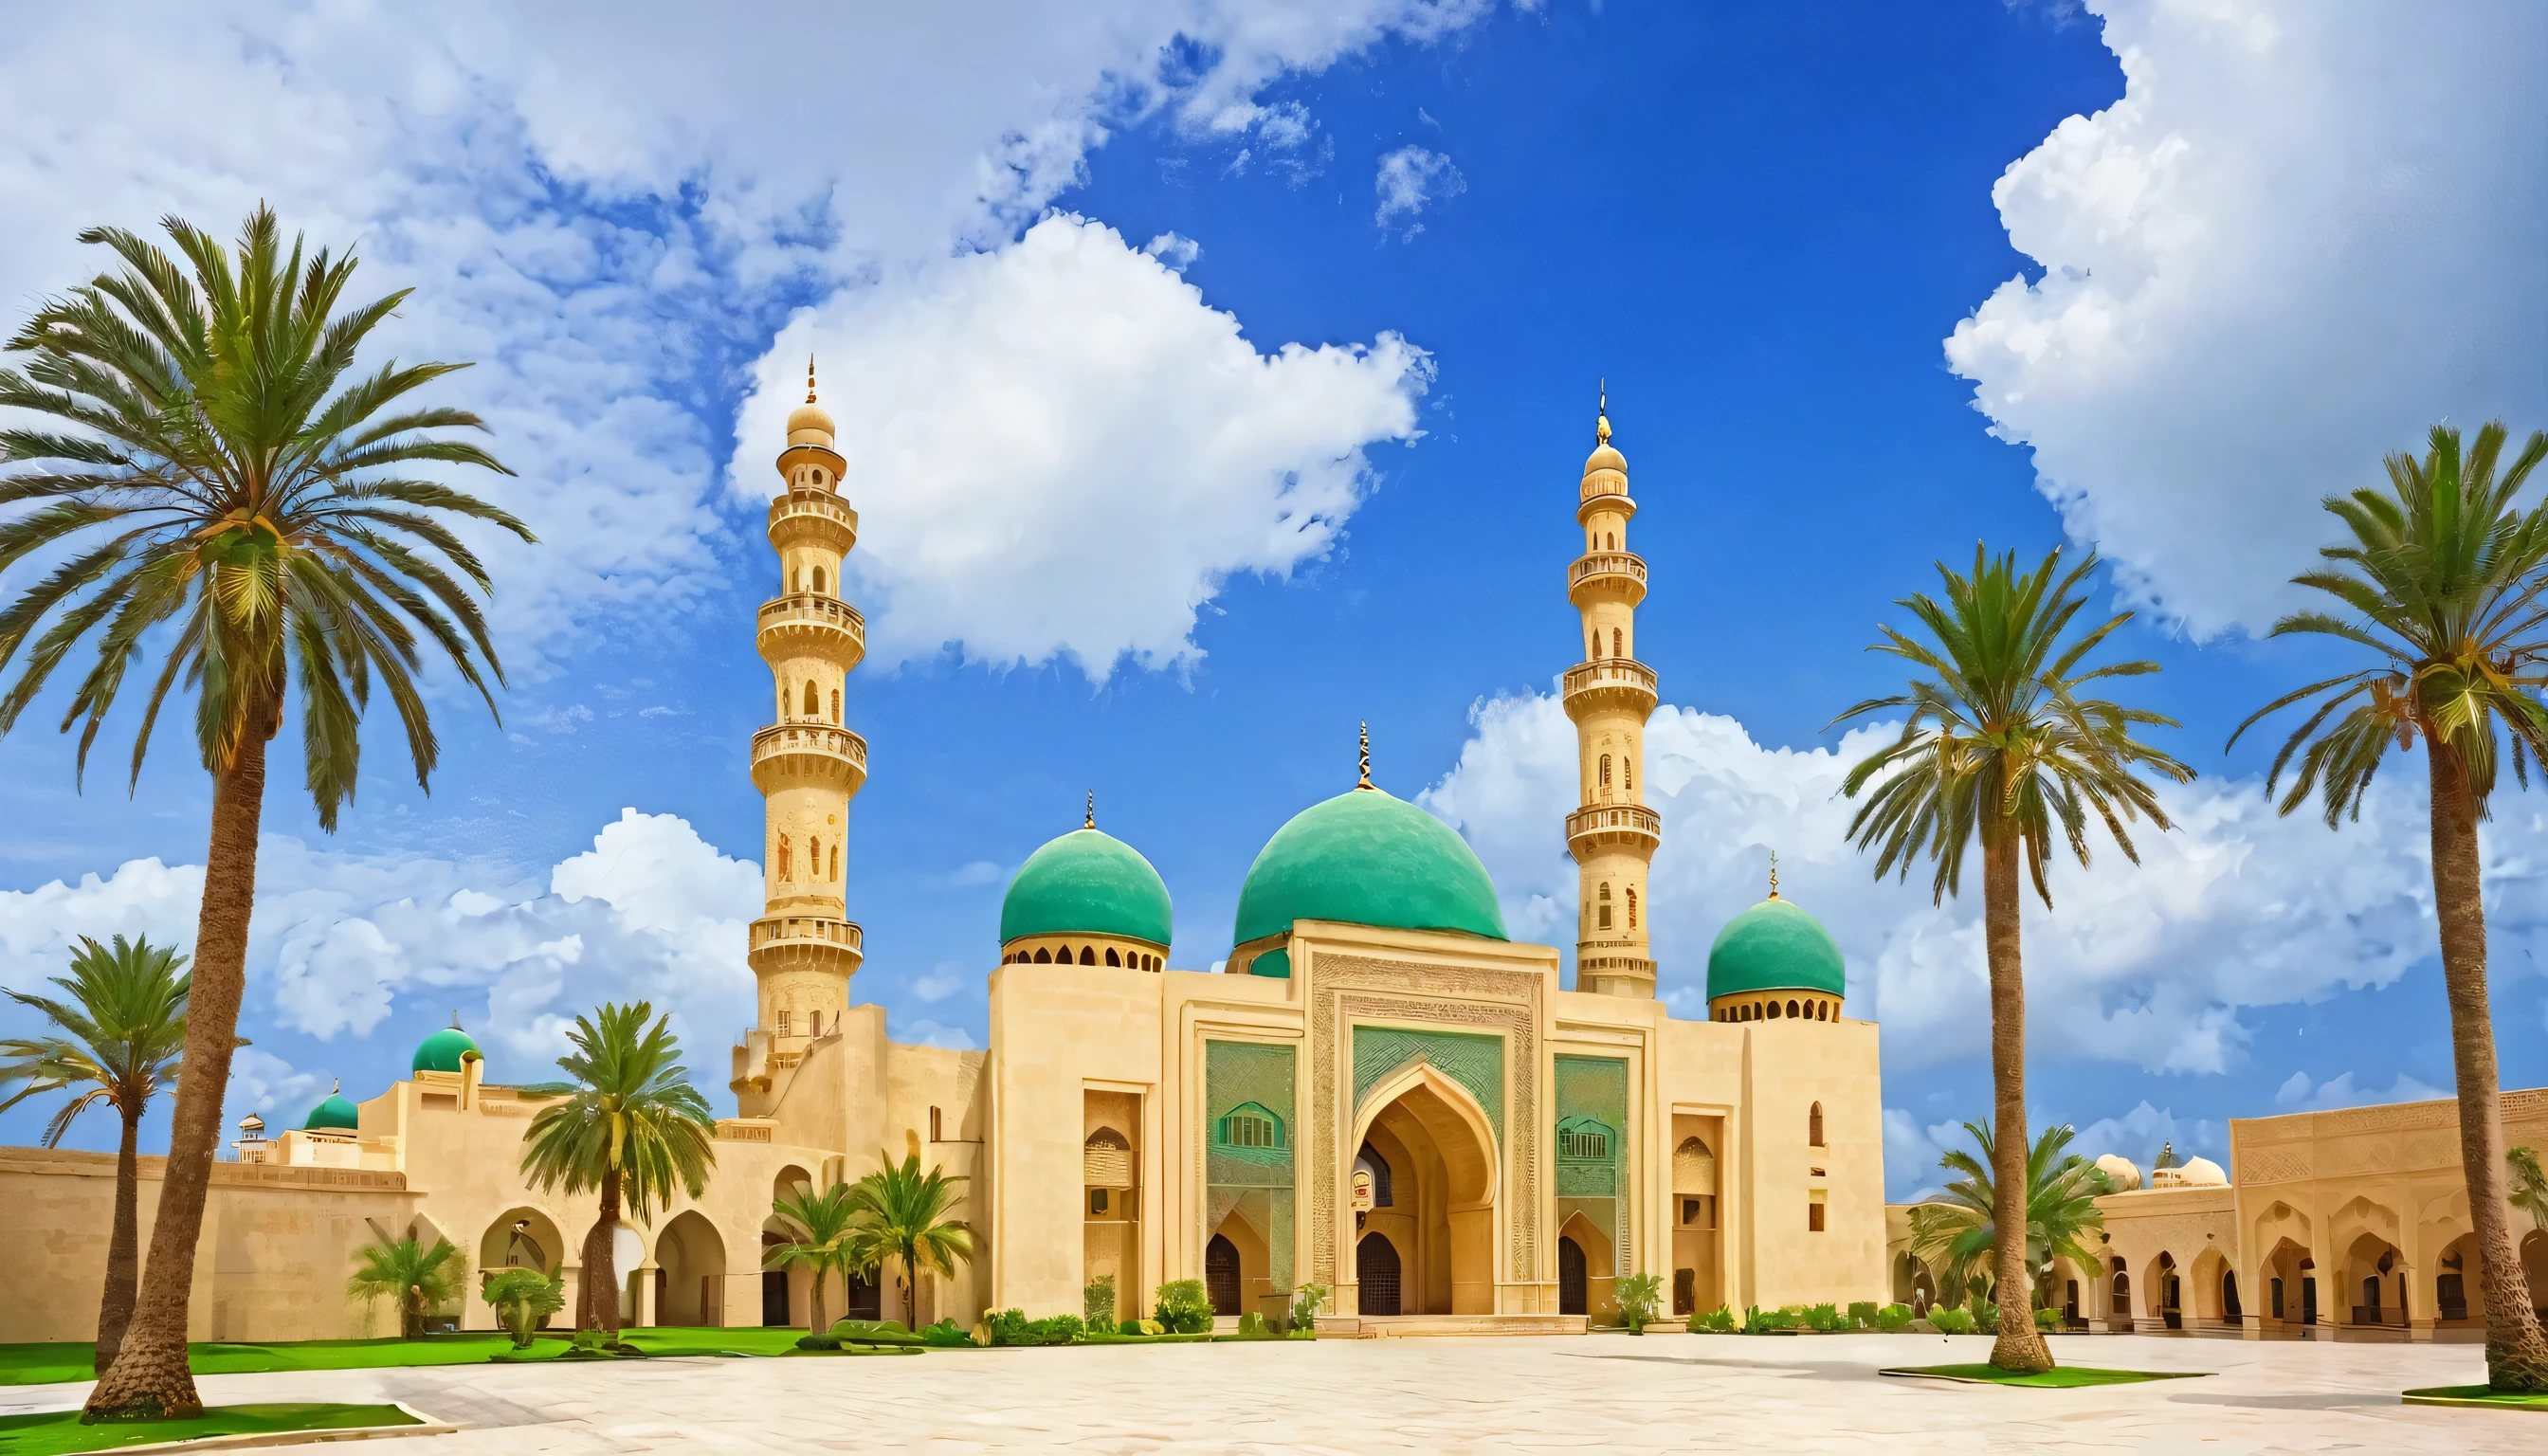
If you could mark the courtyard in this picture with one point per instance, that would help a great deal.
(1606, 1391)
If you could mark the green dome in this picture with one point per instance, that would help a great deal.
(445, 1050)
(1775, 946)
(1366, 858)
(334, 1114)
(1087, 882)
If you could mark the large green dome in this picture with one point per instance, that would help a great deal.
(1775, 946)
(1087, 882)
(337, 1114)
(446, 1050)
(1365, 857)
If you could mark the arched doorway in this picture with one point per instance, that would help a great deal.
(689, 1272)
(1221, 1274)
(1375, 1269)
(1429, 1132)
(1573, 1295)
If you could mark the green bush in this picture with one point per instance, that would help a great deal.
(1140, 1326)
(1252, 1323)
(817, 1343)
(1013, 1328)
(1894, 1318)
(1639, 1295)
(1306, 1300)
(1825, 1319)
(1758, 1321)
(1183, 1306)
(2047, 1319)
(1862, 1315)
(873, 1332)
(1951, 1321)
(1719, 1321)
(945, 1335)
(1098, 1301)
(522, 1300)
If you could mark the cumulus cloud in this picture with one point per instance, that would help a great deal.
(1410, 180)
(2138, 1135)
(1059, 450)
(2297, 1094)
(2280, 255)
(2149, 965)
(262, 1082)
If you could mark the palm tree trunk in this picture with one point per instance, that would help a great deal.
(148, 1380)
(815, 1315)
(2516, 1355)
(2020, 1346)
(601, 1254)
(123, 1246)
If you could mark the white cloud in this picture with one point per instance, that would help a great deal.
(2306, 233)
(2139, 1135)
(1410, 180)
(262, 1082)
(2151, 965)
(942, 980)
(1174, 250)
(2297, 1095)
(923, 1032)
(1057, 450)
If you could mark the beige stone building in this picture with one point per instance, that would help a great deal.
(1375, 1090)
(2350, 1225)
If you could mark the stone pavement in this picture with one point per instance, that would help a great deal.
(1600, 1393)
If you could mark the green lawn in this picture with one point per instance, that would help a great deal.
(2475, 1394)
(55, 1432)
(43, 1364)
(2060, 1377)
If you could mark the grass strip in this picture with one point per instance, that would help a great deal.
(2060, 1377)
(59, 1433)
(2475, 1396)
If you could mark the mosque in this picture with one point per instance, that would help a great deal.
(1378, 1091)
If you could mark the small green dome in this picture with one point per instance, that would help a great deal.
(334, 1114)
(1367, 858)
(1087, 882)
(1775, 946)
(445, 1052)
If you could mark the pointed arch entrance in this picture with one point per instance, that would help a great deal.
(1439, 1225)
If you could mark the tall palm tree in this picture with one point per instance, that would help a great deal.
(1998, 750)
(825, 1237)
(2441, 581)
(901, 1215)
(421, 1279)
(635, 1129)
(2529, 1184)
(216, 469)
(121, 1024)
(1957, 1235)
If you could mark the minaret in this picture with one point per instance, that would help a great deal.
(1614, 835)
(807, 764)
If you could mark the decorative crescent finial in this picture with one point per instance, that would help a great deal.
(809, 379)
(1092, 810)
(1366, 760)
(1774, 874)
(1602, 417)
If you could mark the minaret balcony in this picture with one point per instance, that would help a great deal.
(807, 515)
(811, 624)
(1608, 683)
(1610, 489)
(804, 755)
(806, 943)
(1595, 828)
(1607, 574)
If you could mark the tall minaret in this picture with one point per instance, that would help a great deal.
(807, 763)
(1613, 835)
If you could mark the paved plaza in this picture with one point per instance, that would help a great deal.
(1608, 1393)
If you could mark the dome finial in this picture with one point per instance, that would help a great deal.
(1602, 417)
(1092, 810)
(335, 1085)
(455, 1019)
(809, 379)
(1365, 782)
(1774, 874)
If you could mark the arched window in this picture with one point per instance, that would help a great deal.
(836, 862)
(1601, 910)
(1822, 1011)
(814, 857)
(783, 1022)
(787, 699)
(1249, 1124)
(1087, 956)
(1791, 1008)
(1773, 1011)
(1112, 959)
(1371, 1169)
(836, 705)
(787, 860)
(1632, 907)
(1628, 772)
(813, 700)
(1044, 955)
(1583, 1140)
(796, 583)
(1617, 639)
(818, 579)
(1606, 770)
(1615, 540)
(1814, 1127)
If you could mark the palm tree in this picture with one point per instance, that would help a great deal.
(421, 1279)
(635, 1129)
(825, 1226)
(901, 1215)
(2530, 1185)
(220, 471)
(123, 1024)
(2441, 581)
(1958, 1236)
(521, 1299)
(1998, 749)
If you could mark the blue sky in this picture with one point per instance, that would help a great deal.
(1216, 379)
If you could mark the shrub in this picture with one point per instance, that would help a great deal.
(1638, 1294)
(1306, 1300)
(1825, 1319)
(1140, 1326)
(817, 1343)
(1862, 1315)
(1719, 1321)
(521, 1299)
(1098, 1301)
(2047, 1319)
(1183, 1306)
(1894, 1318)
(1013, 1328)
(1951, 1320)
(1252, 1323)
(945, 1335)
(873, 1332)
(1758, 1321)
(1986, 1320)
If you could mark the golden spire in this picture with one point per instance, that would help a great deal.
(1092, 810)
(1602, 417)
(1366, 760)
(335, 1085)
(1774, 874)
(809, 379)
